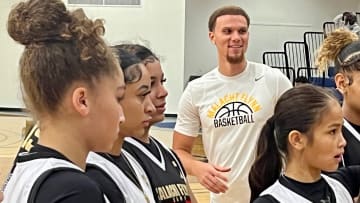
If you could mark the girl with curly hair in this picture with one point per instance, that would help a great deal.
(73, 85)
(343, 48)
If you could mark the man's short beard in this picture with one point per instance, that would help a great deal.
(235, 59)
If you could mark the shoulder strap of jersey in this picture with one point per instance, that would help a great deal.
(35, 188)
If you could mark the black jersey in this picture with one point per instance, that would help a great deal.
(166, 174)
(320, 191)
(352, 149)
(45, 175)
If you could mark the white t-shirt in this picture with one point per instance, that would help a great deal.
(231, 112)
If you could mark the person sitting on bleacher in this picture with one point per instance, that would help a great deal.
(347, 20)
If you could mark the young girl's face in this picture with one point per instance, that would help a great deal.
(158, 92)
(137, 106)
(106, 112)
(324, 151)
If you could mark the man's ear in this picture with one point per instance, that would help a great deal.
(212, 37)
(297, 140)
(341, 82)
(80, 100)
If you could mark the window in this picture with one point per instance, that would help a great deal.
(105, 2)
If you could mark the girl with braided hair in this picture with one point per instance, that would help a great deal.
(343, 48)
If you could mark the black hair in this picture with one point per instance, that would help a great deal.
(142, 52)
(129, 64)
(349, 18)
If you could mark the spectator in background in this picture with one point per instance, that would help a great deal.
(347, 20)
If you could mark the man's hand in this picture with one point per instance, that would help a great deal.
(211, 177)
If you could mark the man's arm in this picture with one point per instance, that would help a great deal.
(211, 177)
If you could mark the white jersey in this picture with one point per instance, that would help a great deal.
(231, 112)
(25, 174)
(284, 194)
(131, 192)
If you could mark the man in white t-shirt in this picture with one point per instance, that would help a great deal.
(230, 104)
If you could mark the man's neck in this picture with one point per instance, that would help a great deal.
(229, 69)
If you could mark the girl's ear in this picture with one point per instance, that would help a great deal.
(297, 140)
(341, 82)
(80, 100)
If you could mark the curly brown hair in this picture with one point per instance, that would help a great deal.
(61, 47)
(333, 50)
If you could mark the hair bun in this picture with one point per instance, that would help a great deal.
(36, 21)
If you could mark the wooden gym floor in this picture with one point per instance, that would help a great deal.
(11, 137)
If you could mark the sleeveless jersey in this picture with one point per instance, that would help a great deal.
(166, 175)
(132, 193)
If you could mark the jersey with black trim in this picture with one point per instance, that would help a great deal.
(338, 186)
(116, 179)
(30, 139)
(167, 176)
(23, 182)
(352, 149)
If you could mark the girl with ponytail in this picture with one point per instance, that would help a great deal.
(302, 139)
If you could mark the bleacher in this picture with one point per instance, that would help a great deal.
(297, 59)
